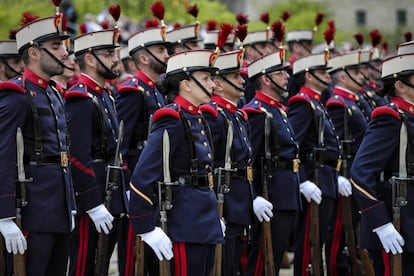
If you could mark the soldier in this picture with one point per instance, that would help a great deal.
(318, 152)
(11, 65)
(344, 109)
(128, 65)
(32, 104)
(137, 100)
(221, 114)
(275, 157)
(211, 37)
(257, 44)
(188, 204)
(93, 127)
(387, 149)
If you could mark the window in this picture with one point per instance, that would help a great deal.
(360, 18)
(401, 17)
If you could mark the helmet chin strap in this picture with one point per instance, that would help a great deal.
(349, 75)
(164, 65)
(8, 66)
(112, 75)
(317, 78)
(53, 57)
(282, 91)
(232, 84)
(199, 84)
(406, 82)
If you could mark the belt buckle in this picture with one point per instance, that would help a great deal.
(210, 179)
(339, 165)
(64, 161)
(295, 165)
(249, 173)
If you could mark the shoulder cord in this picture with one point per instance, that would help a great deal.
(101, 124)
(190, 141)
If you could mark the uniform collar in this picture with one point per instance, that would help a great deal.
(224, 103)
(403, 104)
(311, 93)
(267, 99)
(31, 76)
(145, 78)
(340, 91)
(89, 82)
(185, 104)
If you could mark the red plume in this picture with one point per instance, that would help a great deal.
(115, 11)
(285, 16)
(211, 25)
(408, 36)
(105, 24)
(176, 25)
(193, 10)
(12, 34)
(56, 2)
(28, 17)
(359, 39)
(329, 35)
(158, 10)
(264, 17)
(242, 19)
(152, 23)
(331, 24)
(278, 30)
(225, 30)
(83, 29)
(375, 38)
(241, 32)
(319, 17)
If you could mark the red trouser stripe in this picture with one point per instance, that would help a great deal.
(306, 245)
(84, 223)
(336, 241)
(130, 256)
(180, 259)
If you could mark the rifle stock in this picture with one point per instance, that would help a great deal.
(399, 194)
(218, 257)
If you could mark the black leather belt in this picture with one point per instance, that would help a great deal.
(196, 181)
(292, 165)
(246, 173)
(48, 159)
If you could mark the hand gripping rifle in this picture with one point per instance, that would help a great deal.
(165, 197)
(223, 188)
(351, 248)
(269, 265)
(314, 267)
(19, 266)
(113, 180)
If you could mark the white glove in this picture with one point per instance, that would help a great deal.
(223, 226)
(311, 191)
(390, 238)
(344, 186)
(159, 242)
(262, 209)
(101, 218)
(13, 237)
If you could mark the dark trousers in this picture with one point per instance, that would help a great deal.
(193, 259)
(47, 254)
(232, 249)
(381, 262)
(281, 227)
(302, 259)
(83, 245)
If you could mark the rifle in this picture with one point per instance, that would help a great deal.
(314, 267)
(139, 255)
(2, 257)
(19, 265)
(113, 178)
(165, 197)
(351, 245)
(270, 269)
(399, 199)
(223, 188)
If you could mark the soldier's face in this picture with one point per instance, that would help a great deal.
(160, 52)
(322, 75)
(281, 78)
(231, 93)
(52, 65)
(355, 84)
(204, 78)
(17, 65)
(109, 58)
